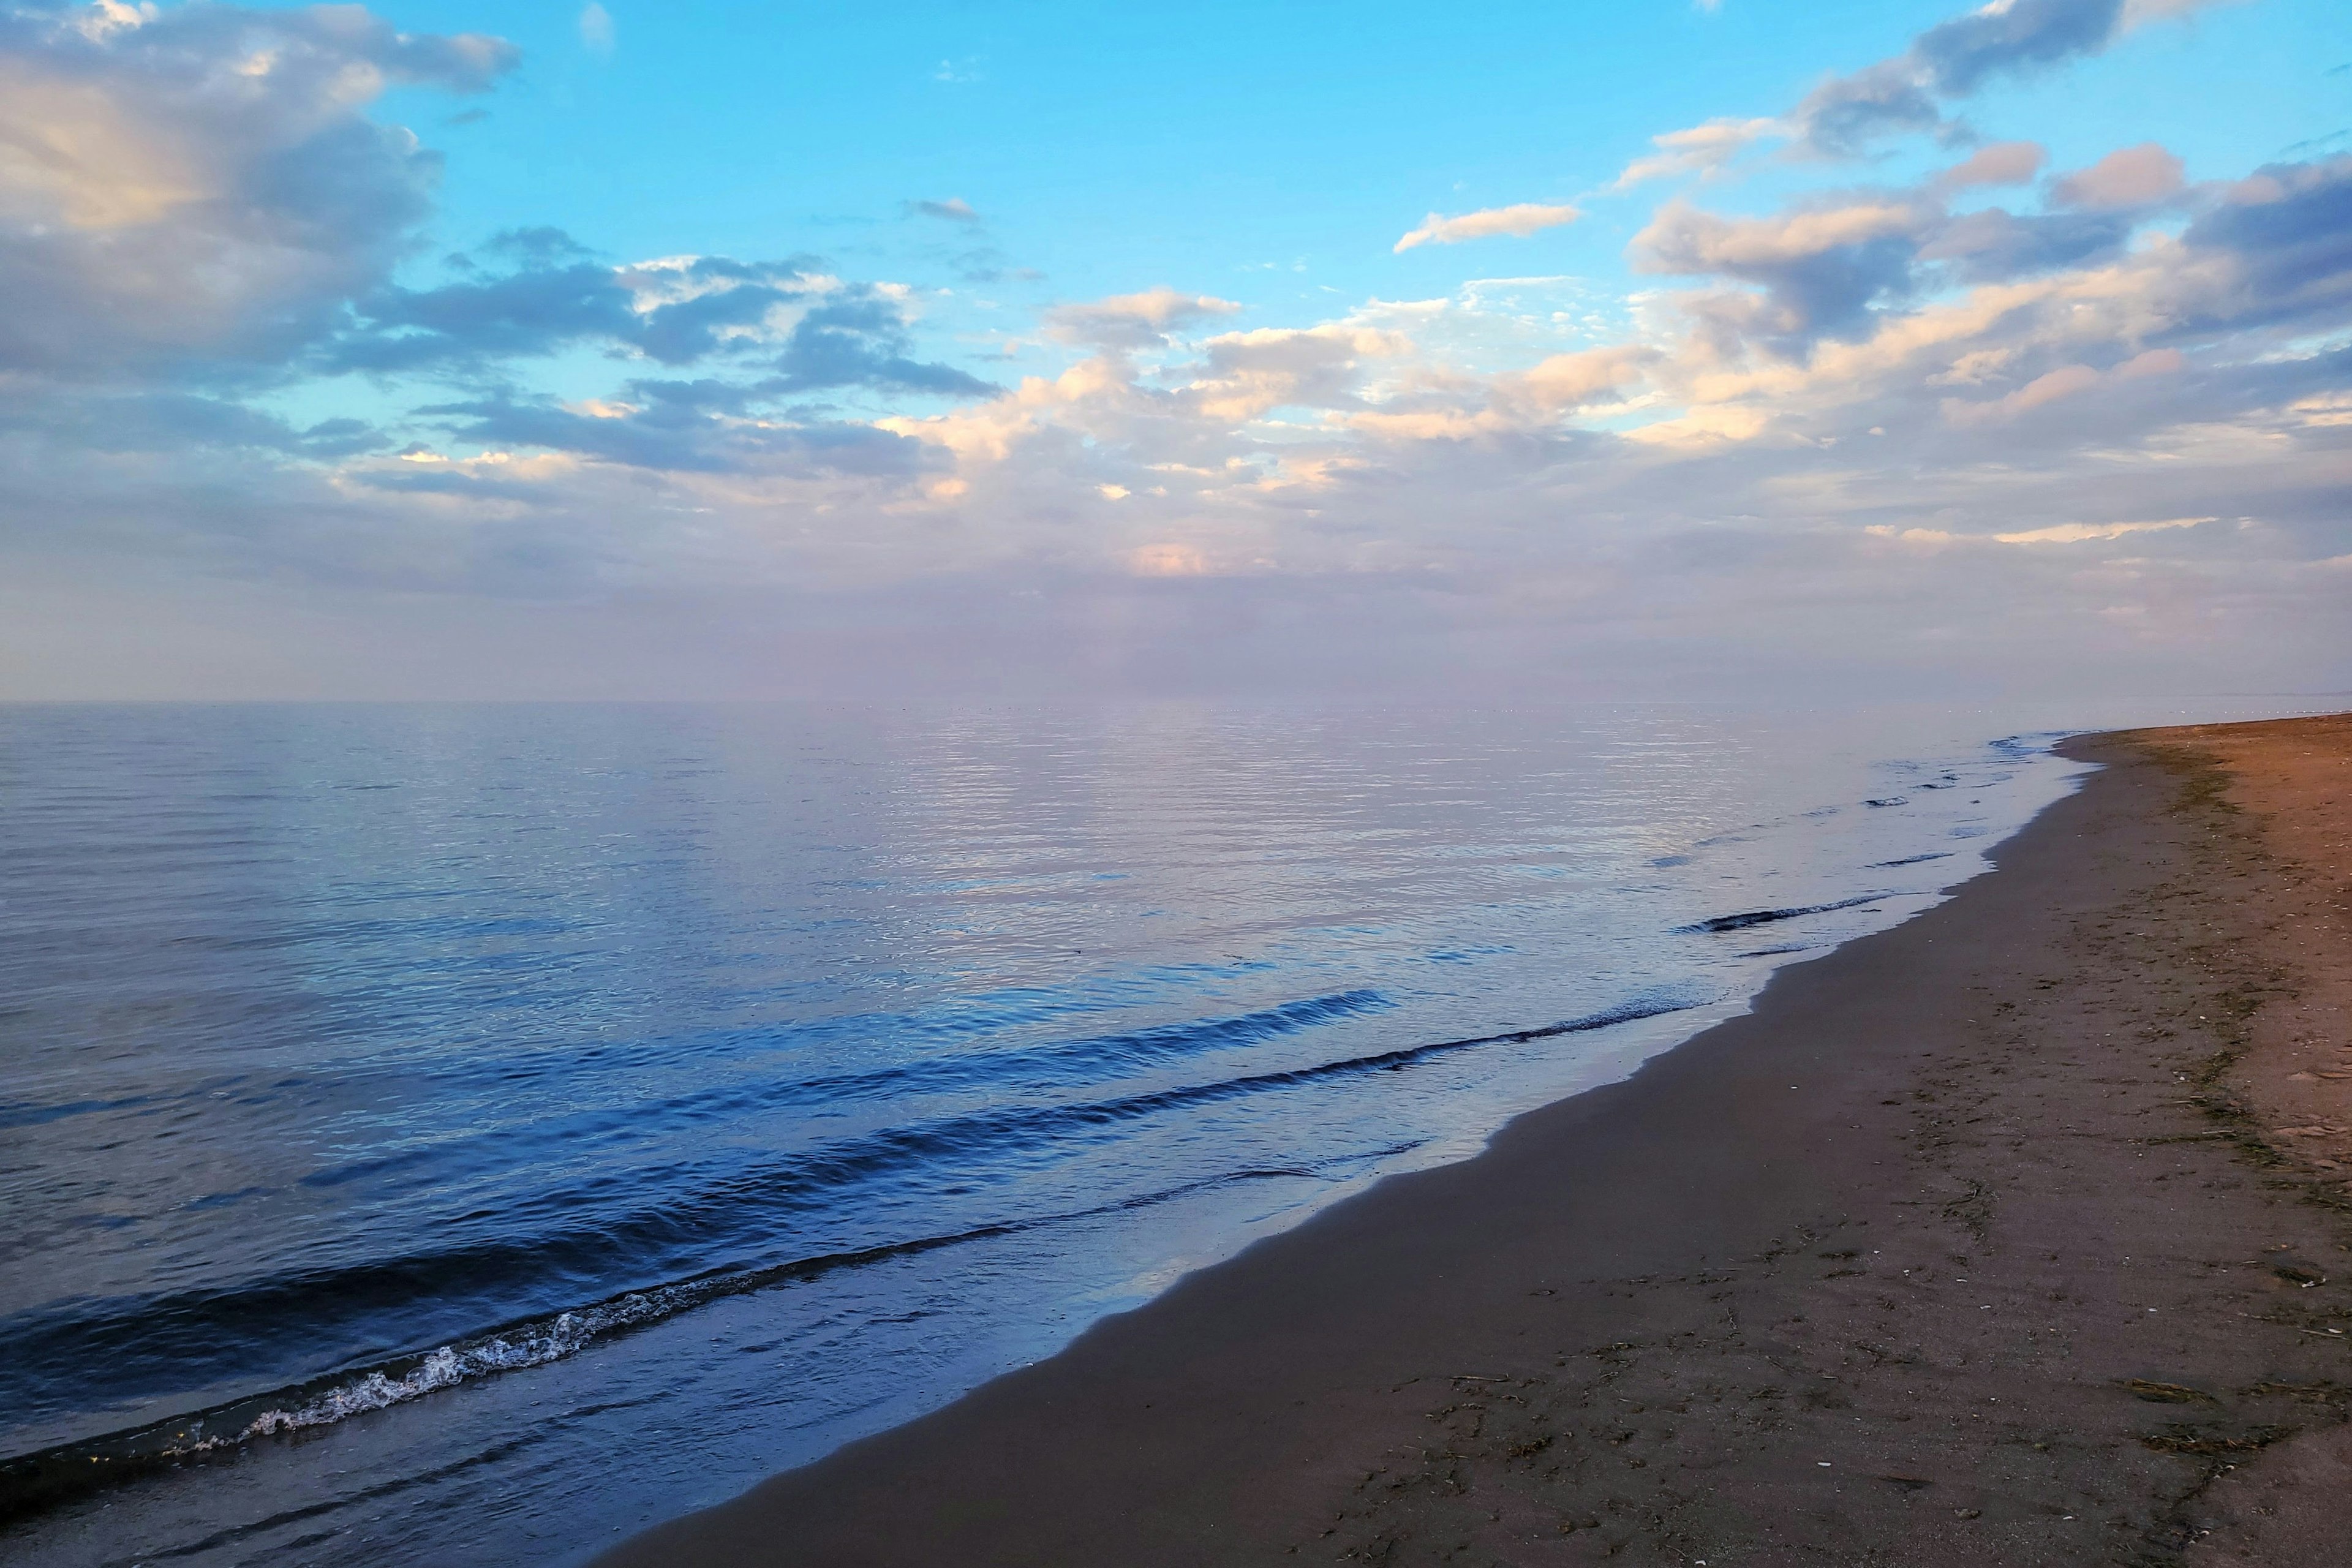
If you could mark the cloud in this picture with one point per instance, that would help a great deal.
(595, 28)
(201, 185)
(1856, 434)
(1821, 270)
(1134, 321)
(1997, 244)
(858, 337)
(556, 296)
(667, 439)
(2065, 381)
(172, 422)
(2138, 13)
(2056, 533)
(1169, 561)
(1845, 115)
(2000, 164)
(692, 308)
(806, 330)
(1961, 55)
(1830, 268)
(535, 311)
(1701, 149)
(1571, 380)
(2080, 533)
(1517, 404)
(2287, 230)
(1243, 375)
(955, 209)
(1521, 220)
(2131, 177)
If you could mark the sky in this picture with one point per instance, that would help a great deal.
(1758, 348)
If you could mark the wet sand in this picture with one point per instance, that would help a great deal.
(1987, 1239)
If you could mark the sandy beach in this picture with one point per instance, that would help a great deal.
(2017, 1234)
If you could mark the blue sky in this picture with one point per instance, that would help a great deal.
(776, 349)
(1197, 145)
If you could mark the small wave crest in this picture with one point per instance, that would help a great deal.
(29, 1482)
(1766, 917)
(33, 1481)
(757, 1205)
(1047, 1068)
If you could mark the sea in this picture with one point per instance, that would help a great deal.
(469, 1134)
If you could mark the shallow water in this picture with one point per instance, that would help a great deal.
(463, 1135)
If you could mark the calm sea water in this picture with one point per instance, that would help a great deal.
(462, 1135)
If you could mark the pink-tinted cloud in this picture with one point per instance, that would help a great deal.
(2130, 177)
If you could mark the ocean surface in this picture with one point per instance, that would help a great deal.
(465, 1135)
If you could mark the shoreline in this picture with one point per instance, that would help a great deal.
(1849, 1276)
(228, 1474)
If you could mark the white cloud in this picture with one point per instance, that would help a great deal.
(2065, 381)
(2055, 533)
(1857, 439)
(1134, 321)
(2139, 12)
(2081, 532)
(1169, 561)
(1519, 220)
(1701, 149)
(203, 181)
(1246, 374)
(1684, 238)
(596, 28)
(955, 209)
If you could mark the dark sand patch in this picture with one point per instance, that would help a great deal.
(2294, 779)
(1963, 1249)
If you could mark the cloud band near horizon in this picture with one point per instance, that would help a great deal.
(1791, 439)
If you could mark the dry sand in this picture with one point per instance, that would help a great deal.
(1994, 1238)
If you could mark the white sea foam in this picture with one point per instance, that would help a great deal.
(452, 1364)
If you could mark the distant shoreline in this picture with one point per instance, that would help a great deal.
(1976, 1241)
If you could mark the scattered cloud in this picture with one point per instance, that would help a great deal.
(2137, 176)
(2138, 13)
(1519, 220)
(1858, 419)
(1844, 116)
(151, 217)
(1848, 116)
(955, 209)
(1134, 321)
(1821, 270)
(858, 337)
(1169, 561)
(596, 28)
(1700, 149)
(2001, 163)
(2079, 532)
(2055, 533)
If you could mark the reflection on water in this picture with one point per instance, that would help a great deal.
(407, 1110)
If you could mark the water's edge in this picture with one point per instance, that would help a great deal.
(44, 1478)
(248, 1424)
(1713, 1017)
